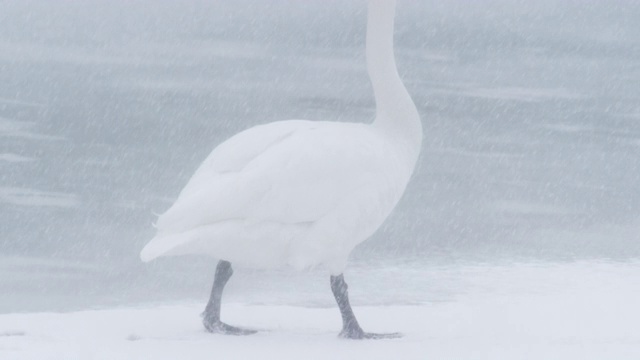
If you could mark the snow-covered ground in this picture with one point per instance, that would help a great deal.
(583, 310)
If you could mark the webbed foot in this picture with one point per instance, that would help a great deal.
(218, 327)
(359, 334)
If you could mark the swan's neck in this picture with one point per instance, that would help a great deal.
(396, 113)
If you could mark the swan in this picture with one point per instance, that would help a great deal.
(300, 193)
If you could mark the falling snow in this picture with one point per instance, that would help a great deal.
(518, 236)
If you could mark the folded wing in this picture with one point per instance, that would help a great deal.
(286, 172)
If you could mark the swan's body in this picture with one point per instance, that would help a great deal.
(301, 193)
(296, 193)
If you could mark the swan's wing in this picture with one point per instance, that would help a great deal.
(237, 151)
(286, 172)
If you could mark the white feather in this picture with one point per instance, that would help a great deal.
(300, 193)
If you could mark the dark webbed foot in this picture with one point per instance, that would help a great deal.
(352, 330)
(361, 335)
(211, 314)
(350, 327)
(218, 327)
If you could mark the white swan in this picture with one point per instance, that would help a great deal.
(300, 193)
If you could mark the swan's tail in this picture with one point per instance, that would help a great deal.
(162, 245)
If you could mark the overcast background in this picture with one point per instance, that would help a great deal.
(531, 114)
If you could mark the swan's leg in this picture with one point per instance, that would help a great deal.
(350, 327)
(211, 314)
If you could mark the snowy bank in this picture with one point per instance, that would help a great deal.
(570, 311)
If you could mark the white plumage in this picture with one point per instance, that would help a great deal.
(301, 193)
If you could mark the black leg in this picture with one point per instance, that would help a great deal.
(211, 314)
(350, 327)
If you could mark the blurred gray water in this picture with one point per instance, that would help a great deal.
(531, 113)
